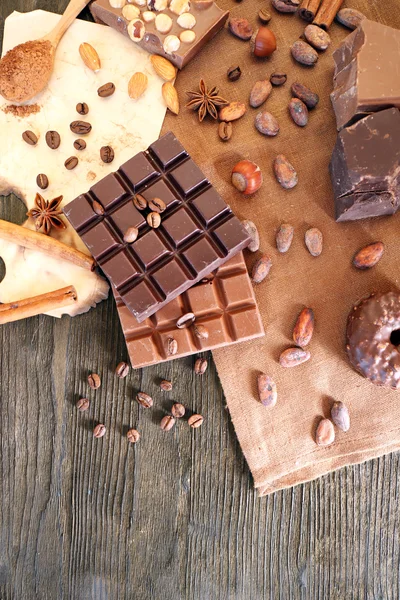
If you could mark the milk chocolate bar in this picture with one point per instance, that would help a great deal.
(367, 72)
(224, 304)
(365, 167)
(205, 21)
(198, 230)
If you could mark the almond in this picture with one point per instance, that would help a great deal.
(267, 392)
(163, 67)
(89, 56)
(304, 327)
(293, 357)
(170, 96)
(369, 256)
(232, 111)
(137, 85)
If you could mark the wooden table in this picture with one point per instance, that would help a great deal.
(174, 517)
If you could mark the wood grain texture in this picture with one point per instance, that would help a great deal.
(174, 517)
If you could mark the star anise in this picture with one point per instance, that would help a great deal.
(205, 101)
(46, 214)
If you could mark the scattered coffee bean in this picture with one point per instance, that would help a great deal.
(284, 237)
(107, 154)
(264, 15)
(42, 181)
(200, 331)
(97, 207)
(325, 434)
(71, 163)
(167, 423)
(99, 430)
(350, 17)
(304, 328)
(80, 127)
(154, 220)
(303, 53)
(157, 205)
(234, 73)
(340, 416)
(261, 269)
(131, 234)
(302, 92)
(166, 385)
(260, 92)
(83, 404)
(30, 138)
(313, 239)
(278, 79)
(140, 202)
(267, 392)
(225, 131)
(178, 410)
(144, 399)
(53, 139)
(317, 37)
(172, 346)
(122, 370)
(369, 256)
(195, 421)
(82, 108)
(286, 6)
(133, 436)
(299, 112)
(241, 28)
(266, 123)
(200, 366)
(79, 144)
(185, 320)
(284, 172)
(293, 357)
(106, 90)
(94, 381)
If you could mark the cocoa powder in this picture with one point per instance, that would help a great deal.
(21, 111)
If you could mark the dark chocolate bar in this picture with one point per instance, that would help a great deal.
(198, 230)
(224, 304)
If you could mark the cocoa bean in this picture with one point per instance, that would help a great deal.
(261, 269)
(313, 239)
(299, 112)
(317, 37)
(267, 124)
(304, 53)
(369, 256)
(232, 111)
(260, 92)
(284, 237)
(252, 231)
(240, 28)
(302, 92)
(278, 79)
(286, 6)
(293, 357)
(325, 434)
(284, 172)
(267, 392)
(225, 131)
(340, 416)
(350, 17)
(304, 328)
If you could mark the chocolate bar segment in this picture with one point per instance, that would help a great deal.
(198, 231)
(367, 72)
(224, 304)
(365, 167)
(209, 19)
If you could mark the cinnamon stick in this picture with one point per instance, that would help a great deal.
(327, 12)
(308, 9)
(29, 307)
(43, 243)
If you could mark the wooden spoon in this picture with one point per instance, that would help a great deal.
(26, 69)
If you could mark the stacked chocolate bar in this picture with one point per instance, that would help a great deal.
(366, 100)
(170, 246)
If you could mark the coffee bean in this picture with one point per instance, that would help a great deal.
(185, 320)
(144, 400)
(80, 127)
(178, 410)
(30, 138)
(107, 154)
(99, 430)
(157, 205)
(278, 79)
(83, 404)
(172, 346)
(106, 90)
(166, 385)
(200, 366)
(154, 220)
(94, 381)
(200, 331)
(225, 131)
(264, 15)
(234, 73)
(79, 144)
(133, 436)
(97, 207)
(167, 423)
(122, 370)
(82, 108)
(42, 181)
(53, 139)
(140, 202)
(195, 421)
(131, 234)
(71, 163)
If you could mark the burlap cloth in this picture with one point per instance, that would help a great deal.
(279, 443)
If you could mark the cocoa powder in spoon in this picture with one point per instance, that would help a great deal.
(25, 70)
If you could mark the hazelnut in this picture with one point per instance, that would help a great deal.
(140, 3)
(117, 3)
(187, 36)
(179, 6)
(246, 177)
(163, 23)
(171, 44)
(136, 30)
(148, 16)
(263, 42)
(186, 21)
(130, 12)
(157, 5)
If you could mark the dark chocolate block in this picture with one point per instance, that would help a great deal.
(365, 167)
(367, 72)
(198, 231)
(225, 304)
(209, 20)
